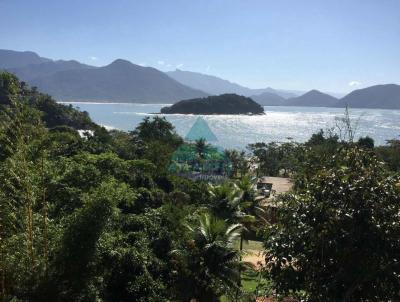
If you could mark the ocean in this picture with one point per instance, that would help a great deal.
(279, 123)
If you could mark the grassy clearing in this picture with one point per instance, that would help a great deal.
(250, 245)
(254, 285)
(253, 282)
(250, 281)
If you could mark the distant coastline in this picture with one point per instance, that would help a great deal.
(170, 104)
(110, 103)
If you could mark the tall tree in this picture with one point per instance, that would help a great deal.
(337, 238)
(253, 217)
(21, 196)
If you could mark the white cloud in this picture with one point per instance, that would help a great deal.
(144, 64)
(161, 62)
(179, 65)
(208, 68)
(169, 65)
(93, 58)
(354, 83)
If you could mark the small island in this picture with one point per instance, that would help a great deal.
(221, 104)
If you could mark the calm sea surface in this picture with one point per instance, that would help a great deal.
(236, 131)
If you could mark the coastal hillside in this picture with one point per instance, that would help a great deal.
(51, 113)
(378, 96)
(222, 104)
(313, 98)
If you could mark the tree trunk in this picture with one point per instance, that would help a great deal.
(240, 273)
(45, 227)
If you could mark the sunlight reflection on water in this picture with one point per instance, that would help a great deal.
(236, 131)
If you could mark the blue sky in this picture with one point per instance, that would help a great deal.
(331, 45)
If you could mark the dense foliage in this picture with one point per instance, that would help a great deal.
(53, 114)
(338, 235)
(100, 216)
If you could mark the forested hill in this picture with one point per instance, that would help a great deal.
(52, 113)
(221, 104)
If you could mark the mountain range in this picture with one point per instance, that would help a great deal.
(15, 59)
(269, 99)
(120, 81)
(378, 96)
(216, 86)
(123, 81)
(34, 71)
(313, 98)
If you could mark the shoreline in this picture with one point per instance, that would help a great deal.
(109, 103)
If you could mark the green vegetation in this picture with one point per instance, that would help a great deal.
(390, 154)
(337, 238)
(216, 104)
(101, 217)
(199, 156)
(53, 114)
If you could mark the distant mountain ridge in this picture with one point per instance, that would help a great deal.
(15, 59)
(269, 99)
(119, 81)
(33, 71)
(216, 86)
(208, 83)
(313, 98)
(378, 96)
(123, 81)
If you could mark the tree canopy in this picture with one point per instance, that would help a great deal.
(103, 217)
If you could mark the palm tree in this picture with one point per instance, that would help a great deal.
(201, 147)
(225, 201)
(236, 202)
(249, 202)
(238, 161)
(212, 230)
(233, 156)
(251, 207)
(211, 258)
